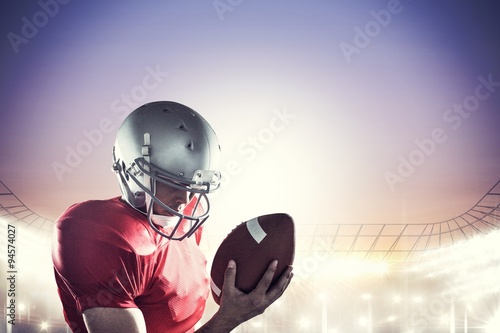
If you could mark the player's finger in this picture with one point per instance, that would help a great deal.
(280, 286)
(230, 276)
(267, 278)
(287, 278)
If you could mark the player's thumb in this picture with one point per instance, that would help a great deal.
(230, 275)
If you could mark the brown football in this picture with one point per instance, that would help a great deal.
(254, 244)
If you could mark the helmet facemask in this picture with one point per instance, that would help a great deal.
(183, 222)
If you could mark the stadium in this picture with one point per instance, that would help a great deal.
(374, 124)
(428, 277)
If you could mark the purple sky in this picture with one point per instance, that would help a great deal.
(320, 118)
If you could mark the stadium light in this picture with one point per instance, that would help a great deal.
(44, 326)
(493, 325)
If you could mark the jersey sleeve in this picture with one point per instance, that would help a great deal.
(95, 264)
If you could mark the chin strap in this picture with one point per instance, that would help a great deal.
(146, 153)
(164, 221)
(127, 195)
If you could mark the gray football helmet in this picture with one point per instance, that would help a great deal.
(170, 143)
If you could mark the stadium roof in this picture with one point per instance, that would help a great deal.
(374, 242)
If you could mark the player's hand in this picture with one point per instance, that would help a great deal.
(237, 307)
(241, 306)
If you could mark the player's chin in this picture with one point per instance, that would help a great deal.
(163, 212)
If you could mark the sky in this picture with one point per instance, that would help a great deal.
(335, 112)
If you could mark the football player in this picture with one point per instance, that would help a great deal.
(132, 263)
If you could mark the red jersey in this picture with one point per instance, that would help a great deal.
(105, 254)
